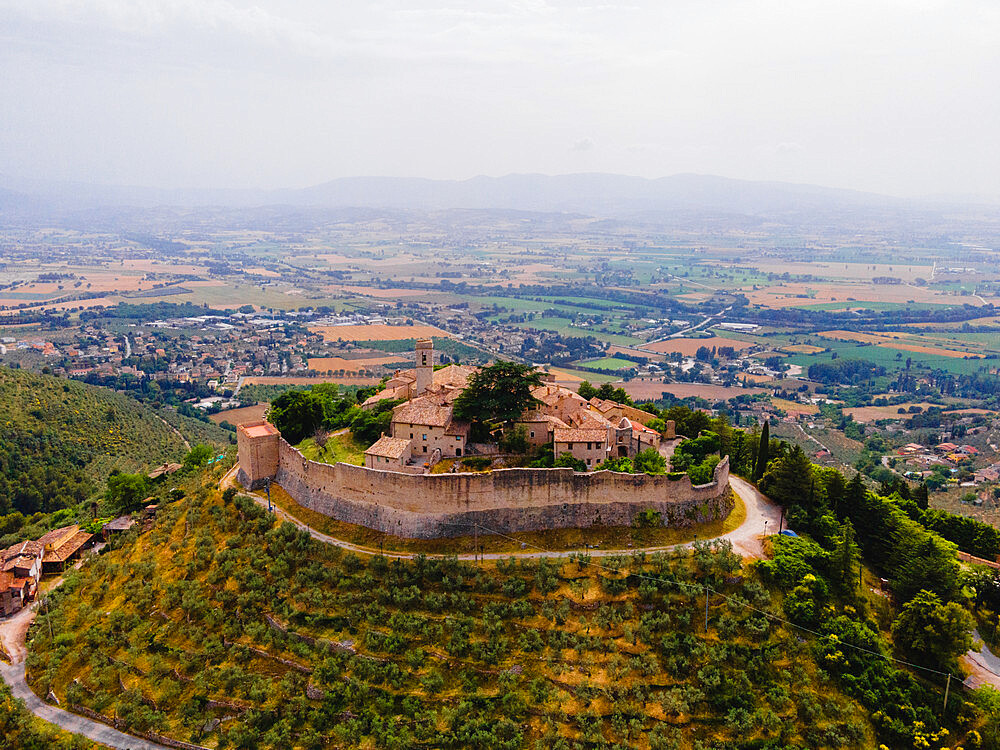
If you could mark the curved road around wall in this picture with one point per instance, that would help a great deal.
(746, 539)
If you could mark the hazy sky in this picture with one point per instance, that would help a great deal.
(896, 96)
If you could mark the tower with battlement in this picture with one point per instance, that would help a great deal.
(425, 366)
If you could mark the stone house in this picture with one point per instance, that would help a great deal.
(389, 453)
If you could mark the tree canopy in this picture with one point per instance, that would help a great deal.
(498, 394)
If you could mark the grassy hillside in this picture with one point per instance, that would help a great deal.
(59, 440)
(221, 627)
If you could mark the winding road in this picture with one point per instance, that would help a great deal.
(13, 632)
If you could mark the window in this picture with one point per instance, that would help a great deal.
(532, 433)
(411, 436)
(458, 451)
(425, 436)
(589, 461)
(569, 446)
(458, 438)
(425, 449)
(588, 446)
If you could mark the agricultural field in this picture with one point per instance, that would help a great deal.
(377, 332)
(334, 364)
(689, 346)
(607, 363)
(243, 414)
(652, 390)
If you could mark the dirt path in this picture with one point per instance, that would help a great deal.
(746, 539)
(187, 445)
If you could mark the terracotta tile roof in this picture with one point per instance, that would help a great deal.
(123, 523)
(457, 428)
(426, 411)
(553, 394)
(640, 427)
(456, 376)
(21, 549)
(58, 537)
(585, 419)
(389, 447)
(577, 435)
(535, 417)
(70, 547)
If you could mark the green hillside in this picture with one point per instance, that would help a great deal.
(224, 628)
(59, 440)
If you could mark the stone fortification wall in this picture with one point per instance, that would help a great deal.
(506, 500)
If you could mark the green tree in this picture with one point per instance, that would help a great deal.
(921, 497)
(587, 390)
(568, 460)
(498, 394)
(126, 490)
(932, 632)
(649, 461)
(621, 464)
(297, 414)
(843, 557)
(762, 457)
(198, 456)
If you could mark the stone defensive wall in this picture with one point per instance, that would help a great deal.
(428, 506)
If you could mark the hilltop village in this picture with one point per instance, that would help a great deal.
(424, 428)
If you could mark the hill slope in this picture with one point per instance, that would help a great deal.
(60, 439)
(222, 628)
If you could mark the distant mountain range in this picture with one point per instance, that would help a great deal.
(592, 194)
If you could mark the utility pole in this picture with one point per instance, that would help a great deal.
(475, 543)
(946, 688)
(706, 608)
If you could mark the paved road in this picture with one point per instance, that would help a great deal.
(13, 631)
(746, 539)
(983, 664)
(13, 675)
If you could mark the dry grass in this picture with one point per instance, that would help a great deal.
(377, 332)
(794, 407)
(654, 389)
(236, 416)
(323, 364)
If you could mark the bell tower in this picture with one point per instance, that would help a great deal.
(425, 366)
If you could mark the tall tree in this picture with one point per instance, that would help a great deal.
(921, 498)
(762, 451)
(498, 394)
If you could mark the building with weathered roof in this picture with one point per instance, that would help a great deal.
(62, 546)
(388, 453)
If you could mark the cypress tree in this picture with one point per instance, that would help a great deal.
(765, 439)
(921, 498)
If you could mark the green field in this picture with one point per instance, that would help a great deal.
(566, 328)
(607, 363)
(891, 359)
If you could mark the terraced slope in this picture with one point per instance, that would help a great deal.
(220, 628)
